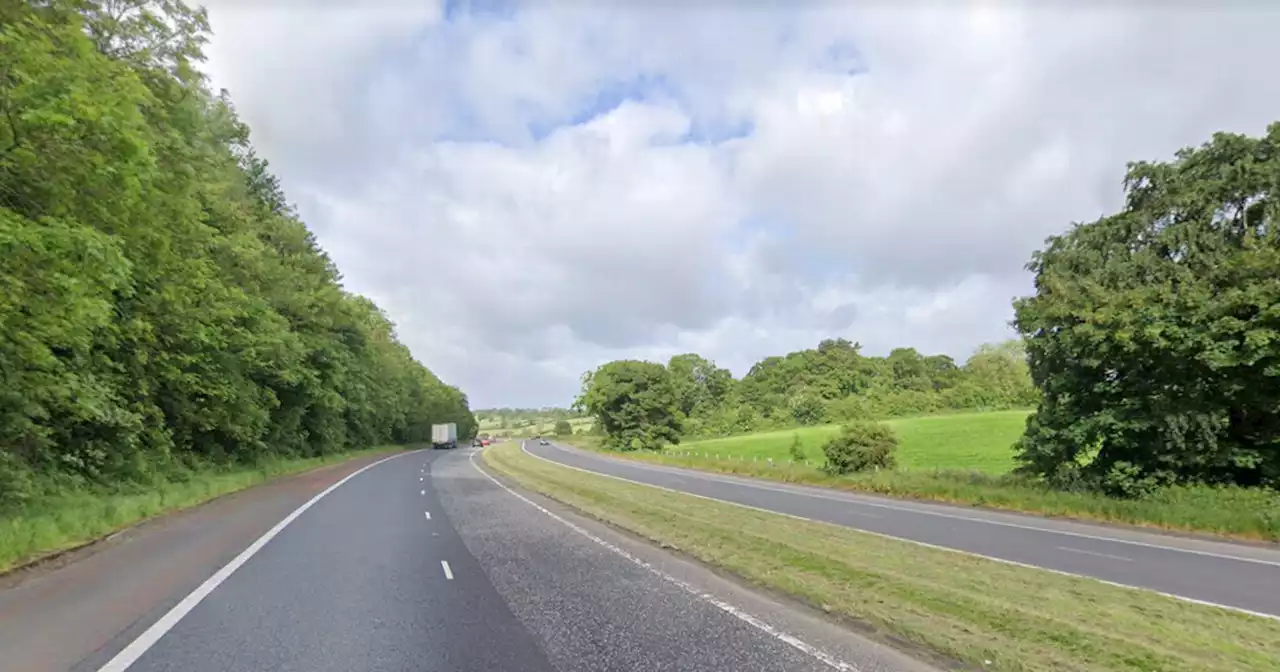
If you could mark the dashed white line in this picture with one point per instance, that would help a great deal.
(784, 637)
(448, 573)
(131, 653)
(1094, 553)
(428, 514)
(423, 492)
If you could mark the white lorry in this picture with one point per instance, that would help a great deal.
(444, 436)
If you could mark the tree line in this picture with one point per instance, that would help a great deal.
(1150, 349)
(163, 309)
(516, 418)
(645, 404)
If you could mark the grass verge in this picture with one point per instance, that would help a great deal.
(1250, 514)
(57, 523)
(988, 614)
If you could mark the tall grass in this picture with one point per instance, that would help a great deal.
(71, 517)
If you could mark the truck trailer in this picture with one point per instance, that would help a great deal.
(444, 436)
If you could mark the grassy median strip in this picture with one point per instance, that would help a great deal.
(68, 520)
(989, 614)
(1242, 513)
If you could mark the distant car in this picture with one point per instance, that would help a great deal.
(475, 443)
(543, 442)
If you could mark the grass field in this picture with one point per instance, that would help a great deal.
(969, 441)
(580, 426)
(69, 520)
(990, 615)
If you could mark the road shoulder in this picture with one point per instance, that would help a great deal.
(781, 616)
(69, 612)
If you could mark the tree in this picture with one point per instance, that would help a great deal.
(700, 386)
(563, 428)
(1154, 333)
(1001, 372)
(162, 307)
(634, 404)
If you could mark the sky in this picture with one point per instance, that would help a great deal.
(532, 189)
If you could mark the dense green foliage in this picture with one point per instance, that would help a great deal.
(162, 308)
(860, 445)
(563, 428)
(1154, 333)
(835, 382)
(634, 404)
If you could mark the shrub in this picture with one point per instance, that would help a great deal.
(860, 446)
(797, 449)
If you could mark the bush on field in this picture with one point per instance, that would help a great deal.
(797, 449)
(860, 446)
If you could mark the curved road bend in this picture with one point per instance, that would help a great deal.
(423, 562)
(1232, 575)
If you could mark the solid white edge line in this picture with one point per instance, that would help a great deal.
(860, 500)
(448, 573)
(924, 544)
(744, 616)
(1094, 553)
(131, 653)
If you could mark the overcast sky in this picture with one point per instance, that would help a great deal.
(533, 189)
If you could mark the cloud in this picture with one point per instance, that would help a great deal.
(531, 190)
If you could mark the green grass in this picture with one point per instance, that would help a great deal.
(965, 459)
(990, 615)
(539, 428)
(970, 441)
(56, 523)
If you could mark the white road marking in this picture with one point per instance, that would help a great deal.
(428, 514)
(807, 492)
(420, 478)
(423, 492)
(131, 653)
(924, 544)
(1099, 555)
(788, 639)
(448, 573)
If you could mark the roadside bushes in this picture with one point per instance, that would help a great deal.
(860, 446)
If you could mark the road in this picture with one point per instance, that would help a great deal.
(1236, 576)
(419, 562)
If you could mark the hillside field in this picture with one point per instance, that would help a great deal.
(964, 441)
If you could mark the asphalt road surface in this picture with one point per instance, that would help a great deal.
(425, 562)
(1237, 576)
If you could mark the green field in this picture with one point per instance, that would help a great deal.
(965, 441)
(539, 427)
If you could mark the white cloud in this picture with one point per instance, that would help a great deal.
(531, 192)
